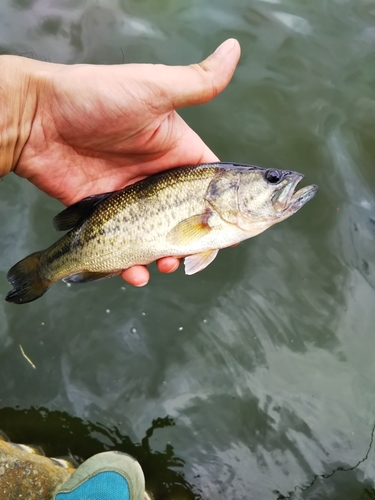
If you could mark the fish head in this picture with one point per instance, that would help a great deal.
(268, 196)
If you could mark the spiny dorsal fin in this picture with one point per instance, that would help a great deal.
(69, 217)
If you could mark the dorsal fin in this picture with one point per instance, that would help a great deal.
(69, 217)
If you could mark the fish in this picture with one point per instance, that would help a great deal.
(187, 212)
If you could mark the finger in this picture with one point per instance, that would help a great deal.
(136, 275)
(200, 83)
(207, 156)
(168, 264)
(188, 148)
(180, 86)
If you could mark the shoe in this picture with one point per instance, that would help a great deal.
(106, 476)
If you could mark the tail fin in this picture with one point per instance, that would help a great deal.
(27, 280)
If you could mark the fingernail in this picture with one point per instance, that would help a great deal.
(174, 268)
(142, 283)
(225, 47)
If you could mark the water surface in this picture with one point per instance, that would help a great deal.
(252, 379)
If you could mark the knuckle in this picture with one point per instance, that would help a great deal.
(205, 75)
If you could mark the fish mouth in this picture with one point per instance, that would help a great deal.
(288, 201)
(301, 197)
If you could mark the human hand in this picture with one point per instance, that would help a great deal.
(95, 129)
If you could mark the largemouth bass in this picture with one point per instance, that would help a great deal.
(188, 212)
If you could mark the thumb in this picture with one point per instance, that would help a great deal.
(198, 83)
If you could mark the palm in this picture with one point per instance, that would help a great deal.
(114, 140)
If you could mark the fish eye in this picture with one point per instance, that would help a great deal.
(273, 176)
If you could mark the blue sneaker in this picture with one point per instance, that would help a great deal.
(107, 476)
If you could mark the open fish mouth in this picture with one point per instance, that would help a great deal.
(287, 200)
(302, 196)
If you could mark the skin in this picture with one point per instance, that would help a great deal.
(79, 130)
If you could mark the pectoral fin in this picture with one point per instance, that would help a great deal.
(190, 230)
(197, 262)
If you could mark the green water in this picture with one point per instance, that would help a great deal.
(254, 379)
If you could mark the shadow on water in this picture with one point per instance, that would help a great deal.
(346, 478)
(62, 435)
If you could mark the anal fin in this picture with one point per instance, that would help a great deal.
(86, 277)
(197, 262)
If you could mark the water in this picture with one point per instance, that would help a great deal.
(255, 378)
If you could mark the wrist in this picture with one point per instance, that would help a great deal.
(18, 102)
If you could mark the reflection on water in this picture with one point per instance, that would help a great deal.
(61, 435)
(264, 361)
